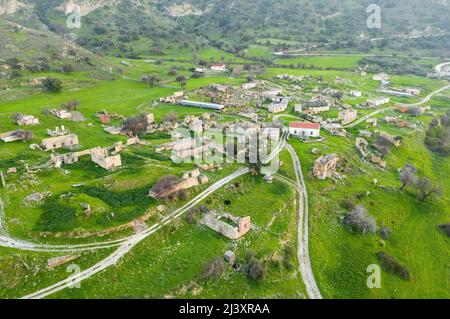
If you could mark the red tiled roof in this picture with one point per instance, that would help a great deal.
(311, 126)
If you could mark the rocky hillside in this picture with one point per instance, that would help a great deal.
(130, 27)
(22, 48)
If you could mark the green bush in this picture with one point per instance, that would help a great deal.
(131, 197)
(57, 217)
(393, 266)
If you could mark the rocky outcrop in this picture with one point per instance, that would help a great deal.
(11, 6)
(86, 6)
(184, 9)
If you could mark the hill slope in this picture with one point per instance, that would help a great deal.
(143, 26)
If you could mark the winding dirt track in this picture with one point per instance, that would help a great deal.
(423, 101)
(303, 230)
(132, 241)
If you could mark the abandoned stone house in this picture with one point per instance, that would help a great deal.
(13, 136)
(61, 114)
(394, 140)
(189, 180)
(229, 226)
(272, 94)
(249, 115)
(25, 120)
(381, 77)
(249, 86)
(279, 106)
(101, 157)
(378, 161)
(362, 146)
(59, 131)
(325, 166)
(53, 143)
(194, 123)
(378, 101)
(98, 155)
(356, 93)
(347, 116)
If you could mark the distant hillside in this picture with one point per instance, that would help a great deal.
(37, 50)
(131, 27)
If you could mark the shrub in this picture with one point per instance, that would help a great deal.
(67, 68)
(288, 257)
(427, 189)
(129, 197)
(57, 217)
(52, 85)
(359, 220)
(256, 270)
(348, 203)
(445, 228)
(136, 125)
(438, 135)
(214, 269)
(393, 266)
(385, 232)
(164, 185)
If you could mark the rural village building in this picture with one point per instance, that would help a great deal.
(219, 67)
(378, 101)
(61, 114)
(325, 166)
(17, 135)
(229, 226)
(59, 131)
(25, 120)
(304, 130)
(381, 77)
(347, 116)
(279, 106)
(52, 143)
(356, 93)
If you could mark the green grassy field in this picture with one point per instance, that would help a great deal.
(170, 262)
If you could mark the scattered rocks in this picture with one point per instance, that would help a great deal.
(37, 197)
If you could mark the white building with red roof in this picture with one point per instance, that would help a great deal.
(219, 67)
(304, 129)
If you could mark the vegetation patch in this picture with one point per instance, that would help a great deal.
(57, 217)
(393, 266)
(132, 197)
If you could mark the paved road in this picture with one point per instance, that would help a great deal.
(133, 241)
(423, 101)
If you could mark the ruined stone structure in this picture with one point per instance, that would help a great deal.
(229, 226)
(61, 114)
(25, 120)
(325, 166)
(59, 131)
(362, 146)
(347, 116)
(189, 180)
(17, 135)
(100, 157)
(173, 99)
(394, 140)
(52, 143)
(378, 161)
